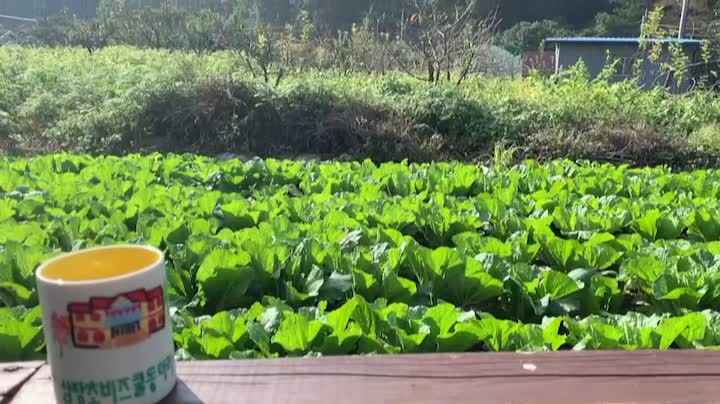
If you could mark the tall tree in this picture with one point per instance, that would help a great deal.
(624, 19)
(570, 12)
(271, 11)
(337, 14)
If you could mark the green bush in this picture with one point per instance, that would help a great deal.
(528, 35)
(706, 138)
(121, 99)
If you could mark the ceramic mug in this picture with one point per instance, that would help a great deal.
(106, 325)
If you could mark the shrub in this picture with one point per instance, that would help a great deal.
(120, 100)
(528, 35)
(707, 138)
(639, 146)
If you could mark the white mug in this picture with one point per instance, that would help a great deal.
(106, 325)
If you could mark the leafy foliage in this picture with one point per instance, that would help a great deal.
(527, 35)
(275, 258)
(624, 19)
(122, 99)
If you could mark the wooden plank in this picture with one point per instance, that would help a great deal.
(13, 375)
(474, 365)
(360, 390)
(38, 389)
(564, 377)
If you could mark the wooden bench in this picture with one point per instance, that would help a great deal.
(562, 377)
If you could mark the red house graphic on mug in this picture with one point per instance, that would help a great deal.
(119, 321)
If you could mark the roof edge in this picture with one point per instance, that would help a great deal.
(621, 40)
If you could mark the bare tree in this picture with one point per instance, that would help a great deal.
(258, 45)
(90, 35)
(447, 46)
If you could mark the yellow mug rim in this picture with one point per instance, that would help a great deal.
(139, 272)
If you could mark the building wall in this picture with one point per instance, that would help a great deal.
(595, 57)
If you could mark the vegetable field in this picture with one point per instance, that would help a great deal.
(273, 258)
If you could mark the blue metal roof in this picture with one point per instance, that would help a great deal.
(15, 18)
(621, 41)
